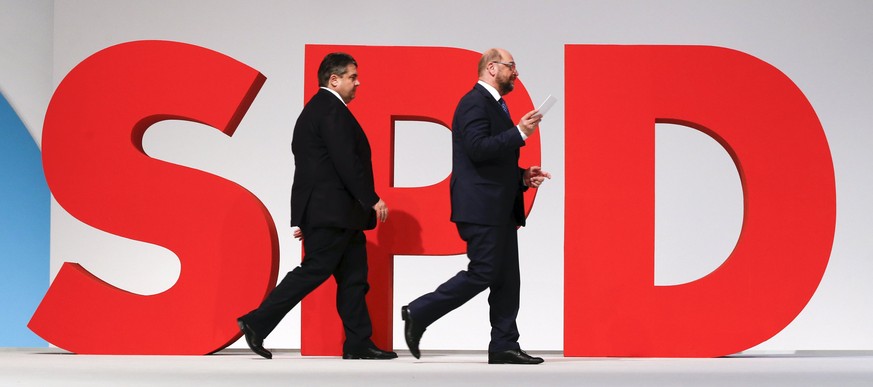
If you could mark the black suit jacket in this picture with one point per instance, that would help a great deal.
(486, 185)
(333, 176)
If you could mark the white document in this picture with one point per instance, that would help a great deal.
(547, 104)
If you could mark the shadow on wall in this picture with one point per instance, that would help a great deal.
(402, 232)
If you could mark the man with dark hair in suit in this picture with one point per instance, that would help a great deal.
(487, 207)
(333, 200)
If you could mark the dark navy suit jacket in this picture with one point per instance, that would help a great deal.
(333, 176)
(486, 185)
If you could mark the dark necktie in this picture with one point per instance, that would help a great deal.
(505, 108)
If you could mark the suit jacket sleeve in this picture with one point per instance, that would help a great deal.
(521, 185)
(479, 143)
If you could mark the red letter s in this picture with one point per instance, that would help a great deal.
(97, 170)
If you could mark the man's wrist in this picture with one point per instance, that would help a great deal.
(521, 132)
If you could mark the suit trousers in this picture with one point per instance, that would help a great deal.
(493, 254)
(328, 251)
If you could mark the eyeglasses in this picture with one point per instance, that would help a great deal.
(511, 65)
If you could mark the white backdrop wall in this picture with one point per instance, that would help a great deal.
(824, 47)
(26, 58)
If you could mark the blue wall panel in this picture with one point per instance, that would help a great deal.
(24, 231)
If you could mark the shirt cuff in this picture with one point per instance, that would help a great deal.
(523, 136)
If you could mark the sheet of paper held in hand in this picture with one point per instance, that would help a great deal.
(547, 104)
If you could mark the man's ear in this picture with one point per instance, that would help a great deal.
(333, 80)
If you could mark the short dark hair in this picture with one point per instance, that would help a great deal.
(334, 63)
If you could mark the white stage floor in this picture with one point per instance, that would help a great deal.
(53, 367)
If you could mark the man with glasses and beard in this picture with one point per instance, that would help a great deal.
(487, 188)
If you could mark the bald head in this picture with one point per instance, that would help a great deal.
(491, 55)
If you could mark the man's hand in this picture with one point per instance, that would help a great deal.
(535, 176)
(529, 122)
(298, 234)
(381, 210)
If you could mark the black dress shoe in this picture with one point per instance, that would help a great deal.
(256, 344)
(512, 356)
(411, 331)
(370, 353)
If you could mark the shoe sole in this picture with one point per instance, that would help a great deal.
(506, 362)
(352, 357)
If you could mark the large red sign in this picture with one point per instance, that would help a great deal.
(227, 243)
(618, 93)
(97, 170)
